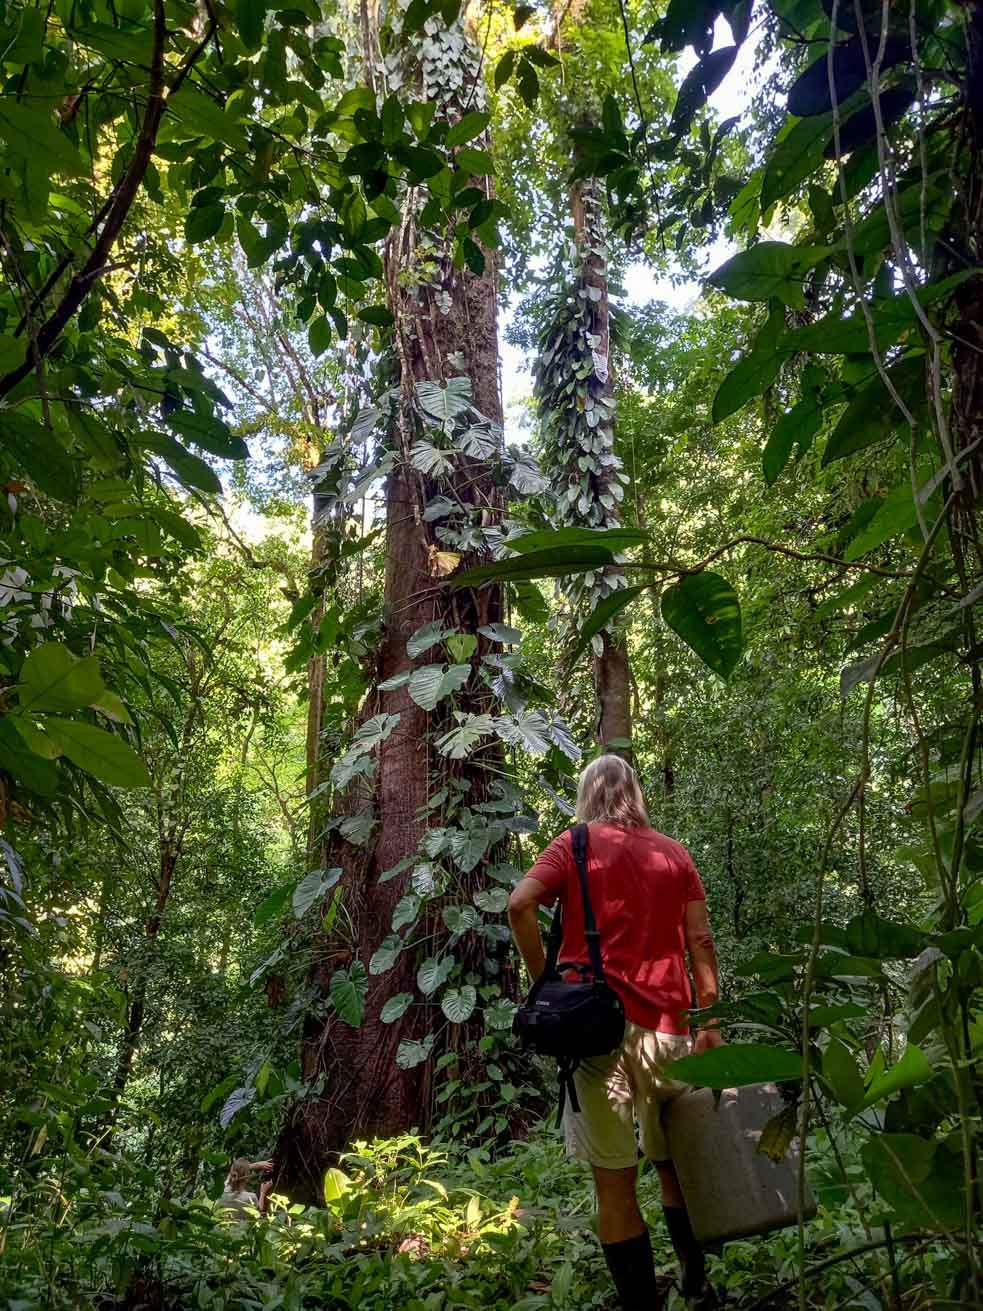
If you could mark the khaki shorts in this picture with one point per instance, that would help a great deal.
(616, 1091)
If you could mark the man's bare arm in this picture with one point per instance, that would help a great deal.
(527, 896)
(703, 963)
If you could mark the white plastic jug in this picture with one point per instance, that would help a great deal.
(731, 1189)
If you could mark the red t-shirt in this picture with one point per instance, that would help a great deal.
(639, 882)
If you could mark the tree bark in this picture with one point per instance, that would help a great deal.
(612, 671)
(364, 1092)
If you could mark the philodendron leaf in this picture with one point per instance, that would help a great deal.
(426, 636)
(736, 1065)
(704, 611)
(311, 888)
(430, 684)
(384, 957)
(396, 1007)
(411, 1053)
(348, 989)
(432, 973)
(458, 1003)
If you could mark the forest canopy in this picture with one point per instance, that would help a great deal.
(306, 635)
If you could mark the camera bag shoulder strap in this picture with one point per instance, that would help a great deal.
(579, 843)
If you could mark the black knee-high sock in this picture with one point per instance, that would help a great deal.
(633, 1272)
(689, 1251)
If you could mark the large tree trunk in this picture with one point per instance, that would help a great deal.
(364, 1092)
(612, 672)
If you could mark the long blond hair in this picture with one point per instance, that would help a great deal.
(609, 793)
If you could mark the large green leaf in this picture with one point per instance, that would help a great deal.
(872, 415)
(430, 684)
(210, 433)
(736, 1065)
(796, 155)
(771, 269)
(896, 515)
(913, 1068)
(458, 1003)
(466, 129)
(841, 1074)
(704, 611)
(550, 563)
(348, 990)
(919, 1178)
(754, 373)
(273, 905)
(28, 128)
(312, 888)
(612, 539)
(867, 934)
(797, 427)
(433, 972)
(102, 754)
(601, 616)
(251, 17)
(396, 1007)
(52, 678)
(37, 450)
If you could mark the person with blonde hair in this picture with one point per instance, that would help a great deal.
(651, 914)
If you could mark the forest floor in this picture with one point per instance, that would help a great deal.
(404, 1226)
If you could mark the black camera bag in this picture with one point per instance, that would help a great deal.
(572, 1020)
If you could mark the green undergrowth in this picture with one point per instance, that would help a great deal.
(404, 1225)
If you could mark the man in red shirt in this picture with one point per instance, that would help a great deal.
(651, 913)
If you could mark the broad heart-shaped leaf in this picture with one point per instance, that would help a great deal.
(492, 901)
(444, 402)
(52, 678)
(704, 611)
(736, 1065)
(237, 1101)
(406, 910)
(102, 754)
(348, 990)
(433, 972)
(770, 270)
(372, 732)
(872, 415)
(384, 957)
(312, 888)
(461, 646)
(919, 1178)
(431, 683)
(503, 633)
(555, 562)
(458, 1003)
(396, 1007)
(411, 1053)
(602, 615)
(426, 636)
(459, 742)
(867, 934)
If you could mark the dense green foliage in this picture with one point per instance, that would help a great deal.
(769, 500)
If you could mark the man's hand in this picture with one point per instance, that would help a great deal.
(707, 1039)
